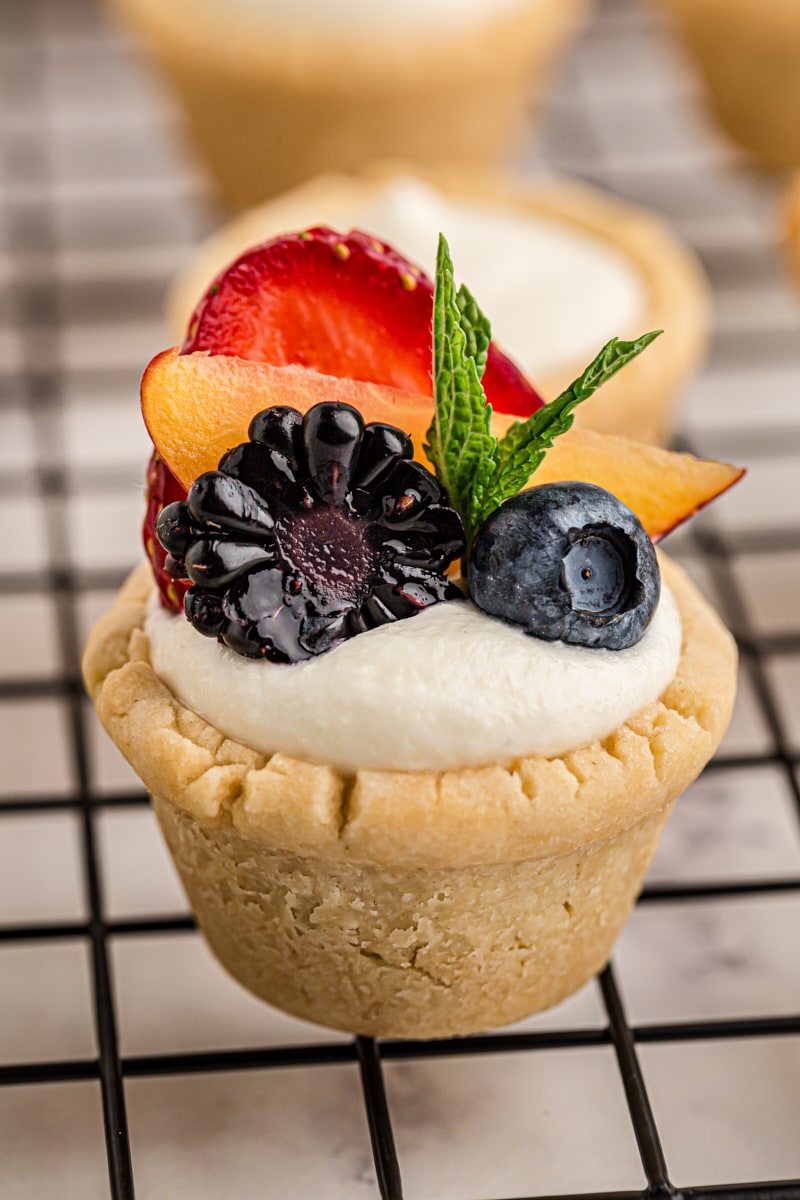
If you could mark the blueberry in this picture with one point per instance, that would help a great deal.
(567, 562)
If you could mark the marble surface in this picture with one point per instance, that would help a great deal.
(124, 208)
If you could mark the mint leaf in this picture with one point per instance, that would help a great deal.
(476, 471)
(459, 442)
(476, 327)
(525, 444)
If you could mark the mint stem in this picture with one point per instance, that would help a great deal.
(525, 444)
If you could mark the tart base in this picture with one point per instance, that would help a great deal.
(411, 904)
(408, 953)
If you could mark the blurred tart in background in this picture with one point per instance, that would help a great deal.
(275, 91)
(561, 266)
(749, 57)
(790, 225)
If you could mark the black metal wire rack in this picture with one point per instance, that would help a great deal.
(69, 267)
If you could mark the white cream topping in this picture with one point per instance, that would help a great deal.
(368, 16)
(555, 293)
(445, 689)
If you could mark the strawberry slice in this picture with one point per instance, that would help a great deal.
(342, 304)
(345, 305)
(162, 489)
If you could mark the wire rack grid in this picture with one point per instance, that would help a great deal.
(97, 208)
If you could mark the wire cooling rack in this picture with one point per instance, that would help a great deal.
(97, 208)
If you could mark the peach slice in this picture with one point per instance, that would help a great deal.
(197, 406)
(663, 488)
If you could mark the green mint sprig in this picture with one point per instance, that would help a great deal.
(460, 443)
(526, 442)
(476, 470)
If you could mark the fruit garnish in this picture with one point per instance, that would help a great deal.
(343, 304)
(664, 488)
(196, 406)
(340, 304)
(478, 471)
(318, 528)
(566, 562)
(162, 489)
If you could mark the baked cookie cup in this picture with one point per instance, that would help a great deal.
(274, 94)
(411, 904)
(643, 275)
(749, 57)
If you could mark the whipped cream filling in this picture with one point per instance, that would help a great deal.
(555, 293)
(445, 689)
(378, 16)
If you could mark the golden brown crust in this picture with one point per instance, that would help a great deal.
(532, 809)
(640, 401)
(407, 953)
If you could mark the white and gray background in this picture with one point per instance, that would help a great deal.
(99, 206)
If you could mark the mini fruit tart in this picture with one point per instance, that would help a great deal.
(403, 800)
(275, 91)
(561, 266)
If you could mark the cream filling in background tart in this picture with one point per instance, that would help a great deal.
(445, 689)
(378, 16)
(316, 48)
(556, 293)
(560, 266)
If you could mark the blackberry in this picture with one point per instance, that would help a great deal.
(316, 529)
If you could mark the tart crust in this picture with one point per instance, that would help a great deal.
(272, 103)
(411, 904)
(639, 402)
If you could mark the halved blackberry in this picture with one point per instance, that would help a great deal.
(316, 529)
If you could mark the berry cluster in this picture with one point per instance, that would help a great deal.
(316, 529)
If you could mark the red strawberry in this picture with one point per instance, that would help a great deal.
(345, 305)
(162, 489)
